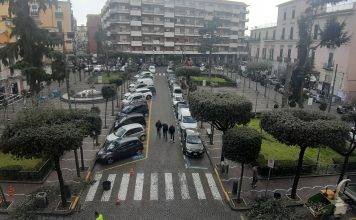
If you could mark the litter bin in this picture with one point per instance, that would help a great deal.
(67, 191)
(41, 200)
(106, 185)
(277, 195)
(235, 185)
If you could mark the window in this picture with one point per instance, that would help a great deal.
(266, 35)
(283, 33)
(264, 53)
(274, 34)
(255, 35)
(259, 35)
(313, 57)
(291, 33)
(316, 32)
(330, 60)
(271, 54)
(284, 16)
(281, 53)
(289, 53)
(258, 53)
(293, 14)
(59, 26)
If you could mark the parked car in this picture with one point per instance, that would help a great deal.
(144, 74)
(169, 70)
(152, 69)
(147, 94)
(202, 67)
(130, 130)
(131, 119)
(88, 68)
(137, 107)
(98, 68)
(152, 89)
(178, 106)
(177, 98)
(191, 143)
(133, 87)
(177, 91)
(119, 149)
(187, 122)
(133, 97)
(343, 109)
(148, 82)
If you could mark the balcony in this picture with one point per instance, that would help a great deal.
(135, 13)
(169, 14)
(136, 34)
(328, 67)
(119, 10)
(136, 23)
(168, 44)
(234, 37)
(136, 43)
(168, 34)
(168, 24)
(234, 44)
(135, 2)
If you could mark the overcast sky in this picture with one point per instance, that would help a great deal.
(261, 11)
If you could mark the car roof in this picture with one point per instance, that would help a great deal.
(133, 115)
(139, 103)
(128, 139)
(185, 111)
(132, 126)
(176, 86)
(141, 89)
(191, 132)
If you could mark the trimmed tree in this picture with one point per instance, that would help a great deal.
(346, 152)
(223, 111)
(242, 145)
(305, 129)
(108, 93)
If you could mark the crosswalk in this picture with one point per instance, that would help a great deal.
(154, 187)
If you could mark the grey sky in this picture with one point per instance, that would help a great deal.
(261, 11)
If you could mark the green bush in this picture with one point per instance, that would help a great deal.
(218, 80)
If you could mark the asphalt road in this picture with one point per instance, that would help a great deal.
(164, 185)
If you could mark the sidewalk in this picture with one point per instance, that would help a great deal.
(307, 185)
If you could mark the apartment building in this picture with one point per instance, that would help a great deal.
(278, 44)
(81, 39)
(93, 25)
(55, 19)
(171, 27)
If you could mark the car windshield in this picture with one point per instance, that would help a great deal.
(177, 91)
(188, 119)
(127, 109)
(120, 132)
(111, 146)
(193, 139)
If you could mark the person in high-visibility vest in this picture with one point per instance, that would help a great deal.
(98, 216)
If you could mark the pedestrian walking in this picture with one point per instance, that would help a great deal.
(254, 177)
(171, 131)
(98, 216)
(158, 127)
(165, 131)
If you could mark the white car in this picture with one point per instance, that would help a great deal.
(143, 74)
(152, 69)
(177, 91)
(132, 98)
(88, 93)
(144, 91)
(98, 68)
(202, 67)
(177, 98)
(134, 87)
(186, 121)
(169, 70)
(130, 130)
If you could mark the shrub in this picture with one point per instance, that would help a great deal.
(269, 209)
(323, 106)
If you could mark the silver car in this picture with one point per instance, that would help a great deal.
(191, 143)
(131, 130)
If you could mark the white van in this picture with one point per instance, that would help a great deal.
(147, 81)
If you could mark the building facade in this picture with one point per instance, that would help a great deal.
(81, 39)
(93, 25)
(277, 44)
(55, 19)
(171, 27)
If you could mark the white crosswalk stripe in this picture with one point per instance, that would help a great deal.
(169, 186)
(212, 185)
(154, 187)
(107, 194)
(93, 188)
(198, 186)
(139, 186)
(183, 182)
(124, 186)
(183, 186)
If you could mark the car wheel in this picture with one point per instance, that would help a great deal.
(148, 97)
(143, 138)
(110, 160)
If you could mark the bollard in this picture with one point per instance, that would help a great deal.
(235, 185)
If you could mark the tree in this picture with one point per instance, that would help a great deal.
(258, 70)
(118, 83)
(108, 93)
(349, 117)
(32, 43)
(187, 72)
(304, 66)
(223, 111)
(242, 145)
(304, 129)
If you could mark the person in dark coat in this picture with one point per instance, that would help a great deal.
(171, 131)
(158, 127)
(165, 131)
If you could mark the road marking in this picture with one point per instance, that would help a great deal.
(139, 186)
(154, 187)
(169, 186)
(107, 194)
(212, 185)
(198, 186)
(123, 186)
(183, 186)
(93, 188)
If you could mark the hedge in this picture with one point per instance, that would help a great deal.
(16, 172)
(227, 83)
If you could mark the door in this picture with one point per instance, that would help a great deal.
(123, 151)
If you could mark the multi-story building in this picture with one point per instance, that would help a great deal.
(81, 39)
(278, 44)
(55, 19)
(171, 27)
(93, 26)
